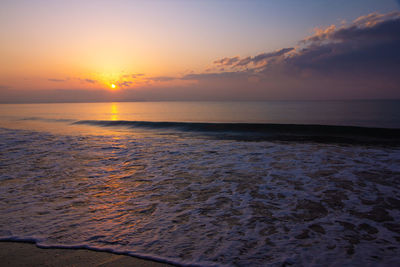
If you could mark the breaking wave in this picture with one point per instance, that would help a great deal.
(268, 131)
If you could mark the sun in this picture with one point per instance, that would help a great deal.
(113, 86)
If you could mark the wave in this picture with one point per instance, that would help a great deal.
(144, 256)
(268, 131)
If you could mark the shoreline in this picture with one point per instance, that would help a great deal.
(20, 253)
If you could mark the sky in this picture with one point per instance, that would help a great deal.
(84, 51)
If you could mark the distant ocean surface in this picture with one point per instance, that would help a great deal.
(206, 183)
(367, 113)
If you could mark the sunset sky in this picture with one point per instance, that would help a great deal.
(55, 51)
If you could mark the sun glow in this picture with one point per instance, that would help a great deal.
(113, 86)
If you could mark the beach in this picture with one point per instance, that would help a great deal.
(26, 254)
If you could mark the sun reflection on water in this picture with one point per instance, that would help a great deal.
(114, 112)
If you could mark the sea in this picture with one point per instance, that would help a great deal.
(279, 183)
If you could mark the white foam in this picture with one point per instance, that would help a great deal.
(187, 200)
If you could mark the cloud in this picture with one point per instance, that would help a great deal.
(161, 78)
(227, 61)
(370, 41)
(256, 60)
(57, 80)
(372, 27)
(370, 44)
(357, 60)
(124, 84)
(244, 62)
(133, 75)
(263, 56)
(214, 76)
(88, 81)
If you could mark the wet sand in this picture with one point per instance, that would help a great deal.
(25, 254)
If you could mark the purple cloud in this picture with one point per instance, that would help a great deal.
(162, 78)
(358, 60)
(264, 56)
(133, 75)
(89, 80)
(370, 44)
(227, 61)
(245, 62)
(125, 84)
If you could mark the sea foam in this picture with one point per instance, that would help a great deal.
(202, 201)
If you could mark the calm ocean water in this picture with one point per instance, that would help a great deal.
(349, 113)
(206, 183)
